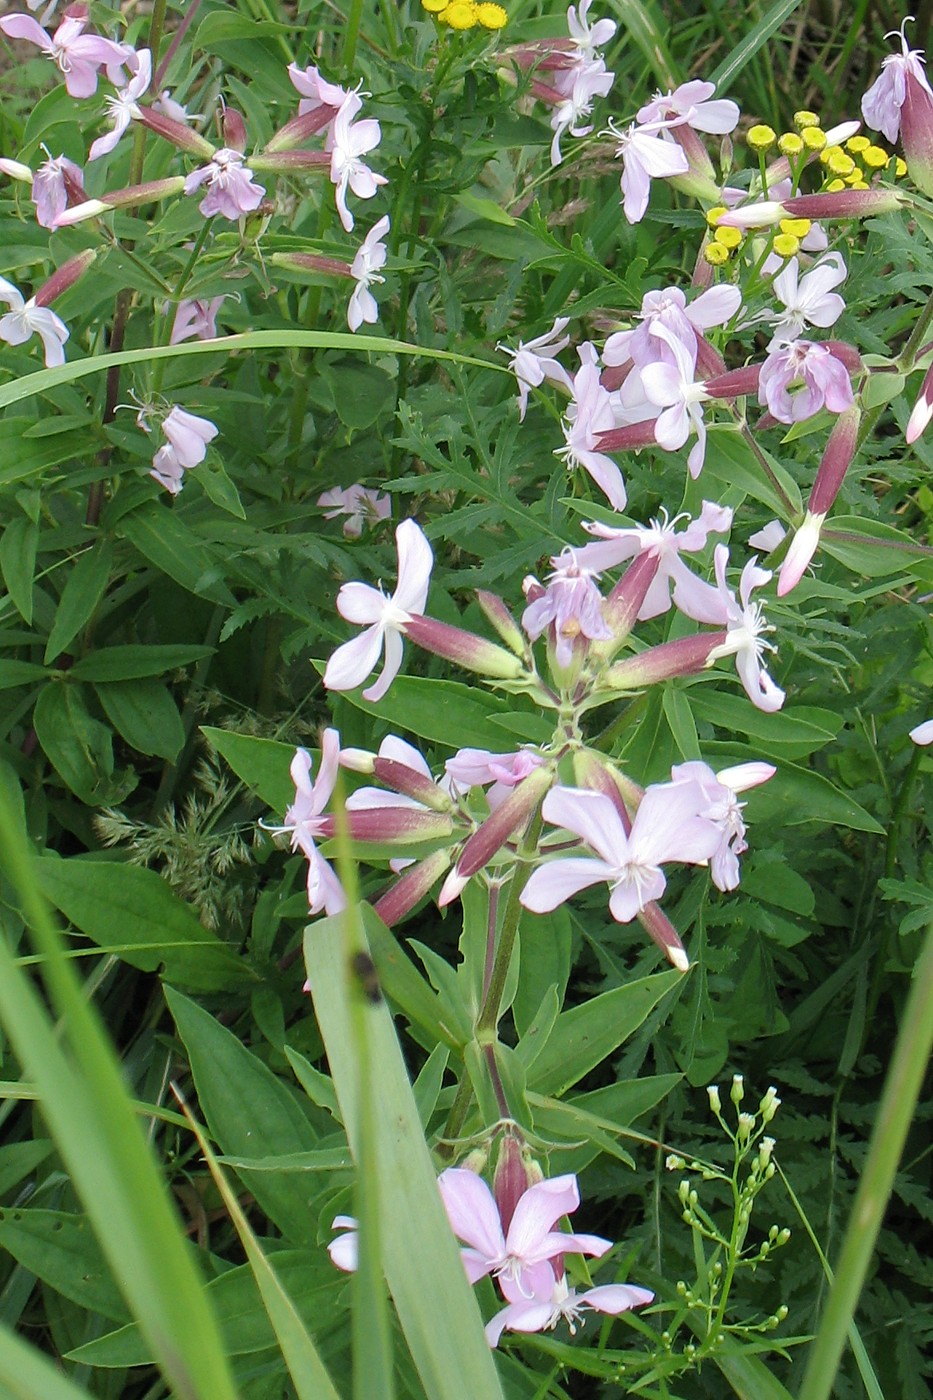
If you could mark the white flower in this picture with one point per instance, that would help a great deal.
(122, 107)
(350, 142)
(808, 300)
(25, 319)
(370, 256)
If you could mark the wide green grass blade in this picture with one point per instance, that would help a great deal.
(892, 1122)
(435, 1304)
(307, 1370)
(26, 1374)
(641, 24)
(98, 1136)
(754, 40)
(44, 379)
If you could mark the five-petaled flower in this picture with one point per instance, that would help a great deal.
(25, 319)
(370, 257)
(349, 140)
(304, 822)
(383, 617)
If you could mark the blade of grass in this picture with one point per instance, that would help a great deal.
(639, 20)
(895, 1113)
(26, 1374)
(435, 1304)
(97, 1134)
(754, 40)
(307, 1370)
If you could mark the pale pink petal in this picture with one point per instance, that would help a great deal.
(351, 663)
(558, 880)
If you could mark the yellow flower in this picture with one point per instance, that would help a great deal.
(761, 137)
(729, 237)
(715, 254)
(804, 119)
(435, 6)
(790, 144)
(461, 14)
(857, 143)
(839, 163)
(491, 16)
(900, 167)
(813, 138)
(875, 158)
(797, 228)
(786, 245)
(835, 185)
(715, 214)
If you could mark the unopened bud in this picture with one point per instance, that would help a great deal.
(410, 888)
(917, 131)
(491, 835)
(746, 1124)
(312, 262)
(673, 1163)
(16, 170)
(715, 1102)
(765, 1148)
(234, 130)
(685, 656)
(180, 135)
(624, 603)
(659, 927)
(769, 1105)
(357, 760)
(463, 648)
(64, 277)
(413, 784)
(291, 160)
(299, 129)
(126, 198)
(510, 1182)
(737, 1092)
(502, 620)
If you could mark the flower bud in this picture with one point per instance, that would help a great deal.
(180, 135)
(769, 1105)
(659, 927)
(312, 262)
(122, 199)
(16, 170)
(735, 383)
(591, 770)
(492, 834)
(404, 825)
(624, 603)
(234, 130)
(358, 760)
(917, 132)
(502, 620)
(715, 1102)
(410, 888)
(299, 129)
(683, 657)
(919, 419)
(627, 439)
(511, 1180)
(291, 160)
(463, 648)
(64, 277)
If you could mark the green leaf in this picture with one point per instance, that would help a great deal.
(220, 488)
(869, 547)
(362, 392)
(588, 1034)
(78, 746)
(743, 52)
(134, 914)
(130, 663)
(80, 596)
(146, 716)
(78, 1080)
(730, 462)
(262, 764)
(18, 1159)
(29, 1374)
(446, 712)
(795, 795)
(679, 716)
(750, 1377)
(238, 1307)
(22, 457)
(401, 983)
(15, 673)
(250, 1113)
(641, 24)
(60, 1248)
(792, 733)
(162, 537)
(18, 544)
(435, 1304)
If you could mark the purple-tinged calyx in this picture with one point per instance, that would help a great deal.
(234, 130)
(312, 262)
(684, 657)
(291, 160)
(411, 887)
(625, 602)
(837, 458)
(64, 277)
(463, 648)
(917, 131)
(404, 825)
(596, 773)
(492, 834)
(659, 927)
(502, 620)
(734, 383)
(409, 781)
(922, 412)
(126, 198)
(180, 135)
(298, 130)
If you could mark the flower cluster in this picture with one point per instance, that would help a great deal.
(517, 1242)
(467, 14)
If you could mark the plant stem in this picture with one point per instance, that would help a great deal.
(767, 469)
(352, 33)
(489, 1011)
(895, 1114)
(905, 361)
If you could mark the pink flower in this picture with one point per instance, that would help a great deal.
(922, 410)
(350, 142)
(359, 504)
(808, 300)
(478, 767)
(384, 618)
(344, 1250)
(882, 103)
(922, 734)
(122, 107)
(197, 318)
(590, 414)
(661, 539)
(76, 54)
(669, 308)
(188, 436)
(544, 1310)
(691, 101)
(25, 319)
(587, 38)
(590, 81)
(673, 389)
(535, 360)
(304, 822)
(645, 156)
(370, 257)
(745, 628)
(813, 373)
(720, 807)
(665, 828)
(231, 190)
(52, 184)
(520, 1256)
(317, 95)
(571, 606)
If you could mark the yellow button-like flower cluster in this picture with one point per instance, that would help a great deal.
(761, 137)
(467, 14)
(805, 119)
